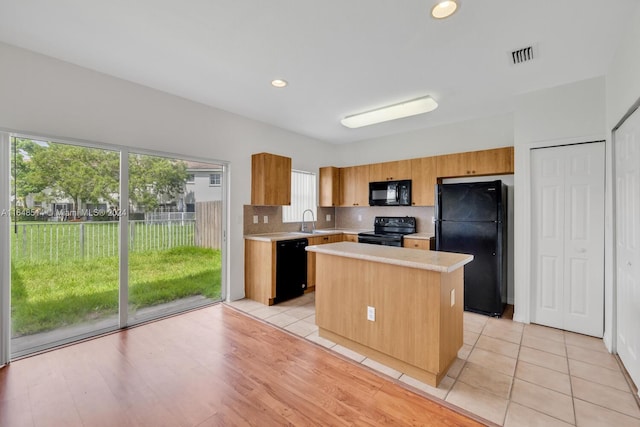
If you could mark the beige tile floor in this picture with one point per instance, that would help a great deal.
(507, 372)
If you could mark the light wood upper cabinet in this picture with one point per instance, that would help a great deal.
(423, 181)
(485, 162)
(390, 171)
(270, 179)
(329, 186)
(354, 186)
(494, 162)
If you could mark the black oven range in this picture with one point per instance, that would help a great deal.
(389, 230)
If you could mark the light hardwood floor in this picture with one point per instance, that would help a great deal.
(209, 367)
(507, 372)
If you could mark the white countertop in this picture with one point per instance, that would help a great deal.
(444, 262)
(289, 235)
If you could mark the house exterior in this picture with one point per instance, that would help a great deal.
(204, 184)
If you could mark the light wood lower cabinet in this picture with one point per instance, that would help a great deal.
(311, 257)
(418, 313)
(260, 271)
(350, 238)
(415, 243)
(260, 267)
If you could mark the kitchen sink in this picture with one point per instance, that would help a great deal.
(318, 232)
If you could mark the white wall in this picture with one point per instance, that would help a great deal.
(566, 114)
(41, 95)
(622, 91)
(572, 110)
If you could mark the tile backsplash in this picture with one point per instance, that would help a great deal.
(274, 219)
(362, 217)
(348, 217)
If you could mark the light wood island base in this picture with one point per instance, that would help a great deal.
(418, 322)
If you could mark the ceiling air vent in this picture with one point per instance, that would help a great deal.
(522, 55)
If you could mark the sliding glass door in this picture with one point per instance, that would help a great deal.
(175, 235)
(83, 261)
(64, 243)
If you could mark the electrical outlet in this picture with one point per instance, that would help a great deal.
(266, 219)
(453, 297)
(433, 220)
(359, 217)
(328, 217)
(255, 219)
(371, 313)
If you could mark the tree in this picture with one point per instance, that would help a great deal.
(155, 180)
(92, 175)
(21, 171)
(79, 173)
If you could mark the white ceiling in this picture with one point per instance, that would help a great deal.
(340, 57)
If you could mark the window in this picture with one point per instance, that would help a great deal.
(303, 196)
(191, 178)
(214, 178)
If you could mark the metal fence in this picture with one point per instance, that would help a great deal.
(60, 241)
(170, 216)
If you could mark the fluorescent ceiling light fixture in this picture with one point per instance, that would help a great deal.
(279, 83)
(444, 9)
(391, 112)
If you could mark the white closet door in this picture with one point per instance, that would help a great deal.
(627, 158)
(568, 237)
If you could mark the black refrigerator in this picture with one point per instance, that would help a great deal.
(471, 218)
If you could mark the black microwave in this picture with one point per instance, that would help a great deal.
(390, 193)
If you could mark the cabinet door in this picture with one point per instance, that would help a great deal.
(451, 165)
(350, 238)
(270, 179)
(361, 191)
(311, 256)
(475, 163)
(390, 171)
(347, 186)
(493, 162)
(260, 271)
(329, 186)
(415, 243)
(354, 186)
(423, 181)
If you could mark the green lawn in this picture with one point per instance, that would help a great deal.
(45, 295)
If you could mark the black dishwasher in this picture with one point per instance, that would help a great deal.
(291, 269)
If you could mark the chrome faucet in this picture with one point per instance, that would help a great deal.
(313, 221)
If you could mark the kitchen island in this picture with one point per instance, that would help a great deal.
(401, 307)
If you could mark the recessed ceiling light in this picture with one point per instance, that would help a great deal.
(444, 9)
(391, 112)
(279, 83)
